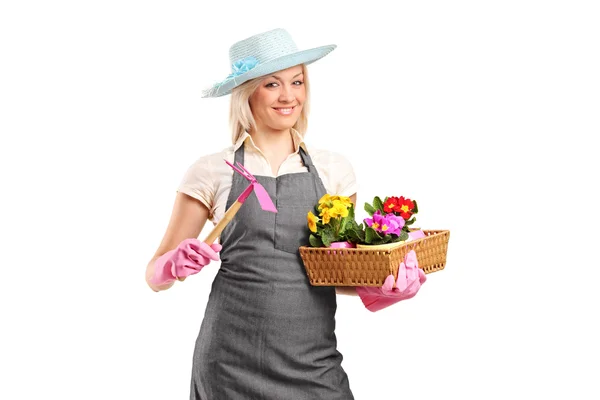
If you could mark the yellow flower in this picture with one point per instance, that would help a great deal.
(326, 214)
(312, 221)
(326, 198)
(338, 209)
(343, 199)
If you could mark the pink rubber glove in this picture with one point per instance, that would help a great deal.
(188, 258)
(410, 279)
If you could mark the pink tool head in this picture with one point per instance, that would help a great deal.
(263, 197)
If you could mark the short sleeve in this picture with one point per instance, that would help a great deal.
(345, 182)
(198, 183)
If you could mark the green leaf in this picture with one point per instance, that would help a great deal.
(403, 236)
(369, 209)
(369, 235)
(416, 209)
(395, 238)
(328, 236)
(357, 233)
(372, 236)
(315, 241)
(410, 221)
(377, 241)
(378, 204)
(352, 234)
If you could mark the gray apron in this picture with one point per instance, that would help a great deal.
(267, 333)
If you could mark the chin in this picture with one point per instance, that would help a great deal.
(281, 124)
(281, 127)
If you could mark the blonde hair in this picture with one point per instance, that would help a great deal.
(240, 115)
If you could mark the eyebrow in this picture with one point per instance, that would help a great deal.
(276, 77)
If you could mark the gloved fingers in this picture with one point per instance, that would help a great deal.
(411, 259)
(187, 270)
(401, 282)
(422, 276)
(198, 258)
(412, 267)
(388, 285)
(411, 274)
(208, 251)
(415, 285)
(216, 247)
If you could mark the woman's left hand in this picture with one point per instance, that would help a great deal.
(410, 279)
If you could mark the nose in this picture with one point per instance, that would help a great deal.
(286, 95)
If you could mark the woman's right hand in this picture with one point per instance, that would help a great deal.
(188, 218)
(188, 258)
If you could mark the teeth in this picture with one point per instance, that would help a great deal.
(285, 110)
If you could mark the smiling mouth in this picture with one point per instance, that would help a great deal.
(284, 110)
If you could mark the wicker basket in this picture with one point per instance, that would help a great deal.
(369, 267)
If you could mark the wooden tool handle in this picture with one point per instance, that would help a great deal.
(216, 232)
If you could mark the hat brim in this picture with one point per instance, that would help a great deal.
(277, 64)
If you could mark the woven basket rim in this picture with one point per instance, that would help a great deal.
(397, 248)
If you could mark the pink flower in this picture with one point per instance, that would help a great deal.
(388, 224)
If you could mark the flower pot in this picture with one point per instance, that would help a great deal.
(342, 245)
(384, 246)
(412, 235)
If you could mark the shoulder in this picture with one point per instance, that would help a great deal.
(327, 158)
(335, 169)
(213, 160)
(207, 170)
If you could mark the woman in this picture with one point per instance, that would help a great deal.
(266, 333)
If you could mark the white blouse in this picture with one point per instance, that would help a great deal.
(209, 178)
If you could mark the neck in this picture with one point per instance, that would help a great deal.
(273, 142)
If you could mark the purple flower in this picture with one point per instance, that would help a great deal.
(387, 224)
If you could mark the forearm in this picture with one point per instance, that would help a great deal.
(347, 290)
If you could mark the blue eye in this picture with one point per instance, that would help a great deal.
(296, 83)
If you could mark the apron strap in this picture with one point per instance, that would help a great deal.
(239, 155)
(307, 161)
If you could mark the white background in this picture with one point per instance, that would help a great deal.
(484, 112)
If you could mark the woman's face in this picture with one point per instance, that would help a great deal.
(278, 101)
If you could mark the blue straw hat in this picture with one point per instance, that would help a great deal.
(263, 54)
